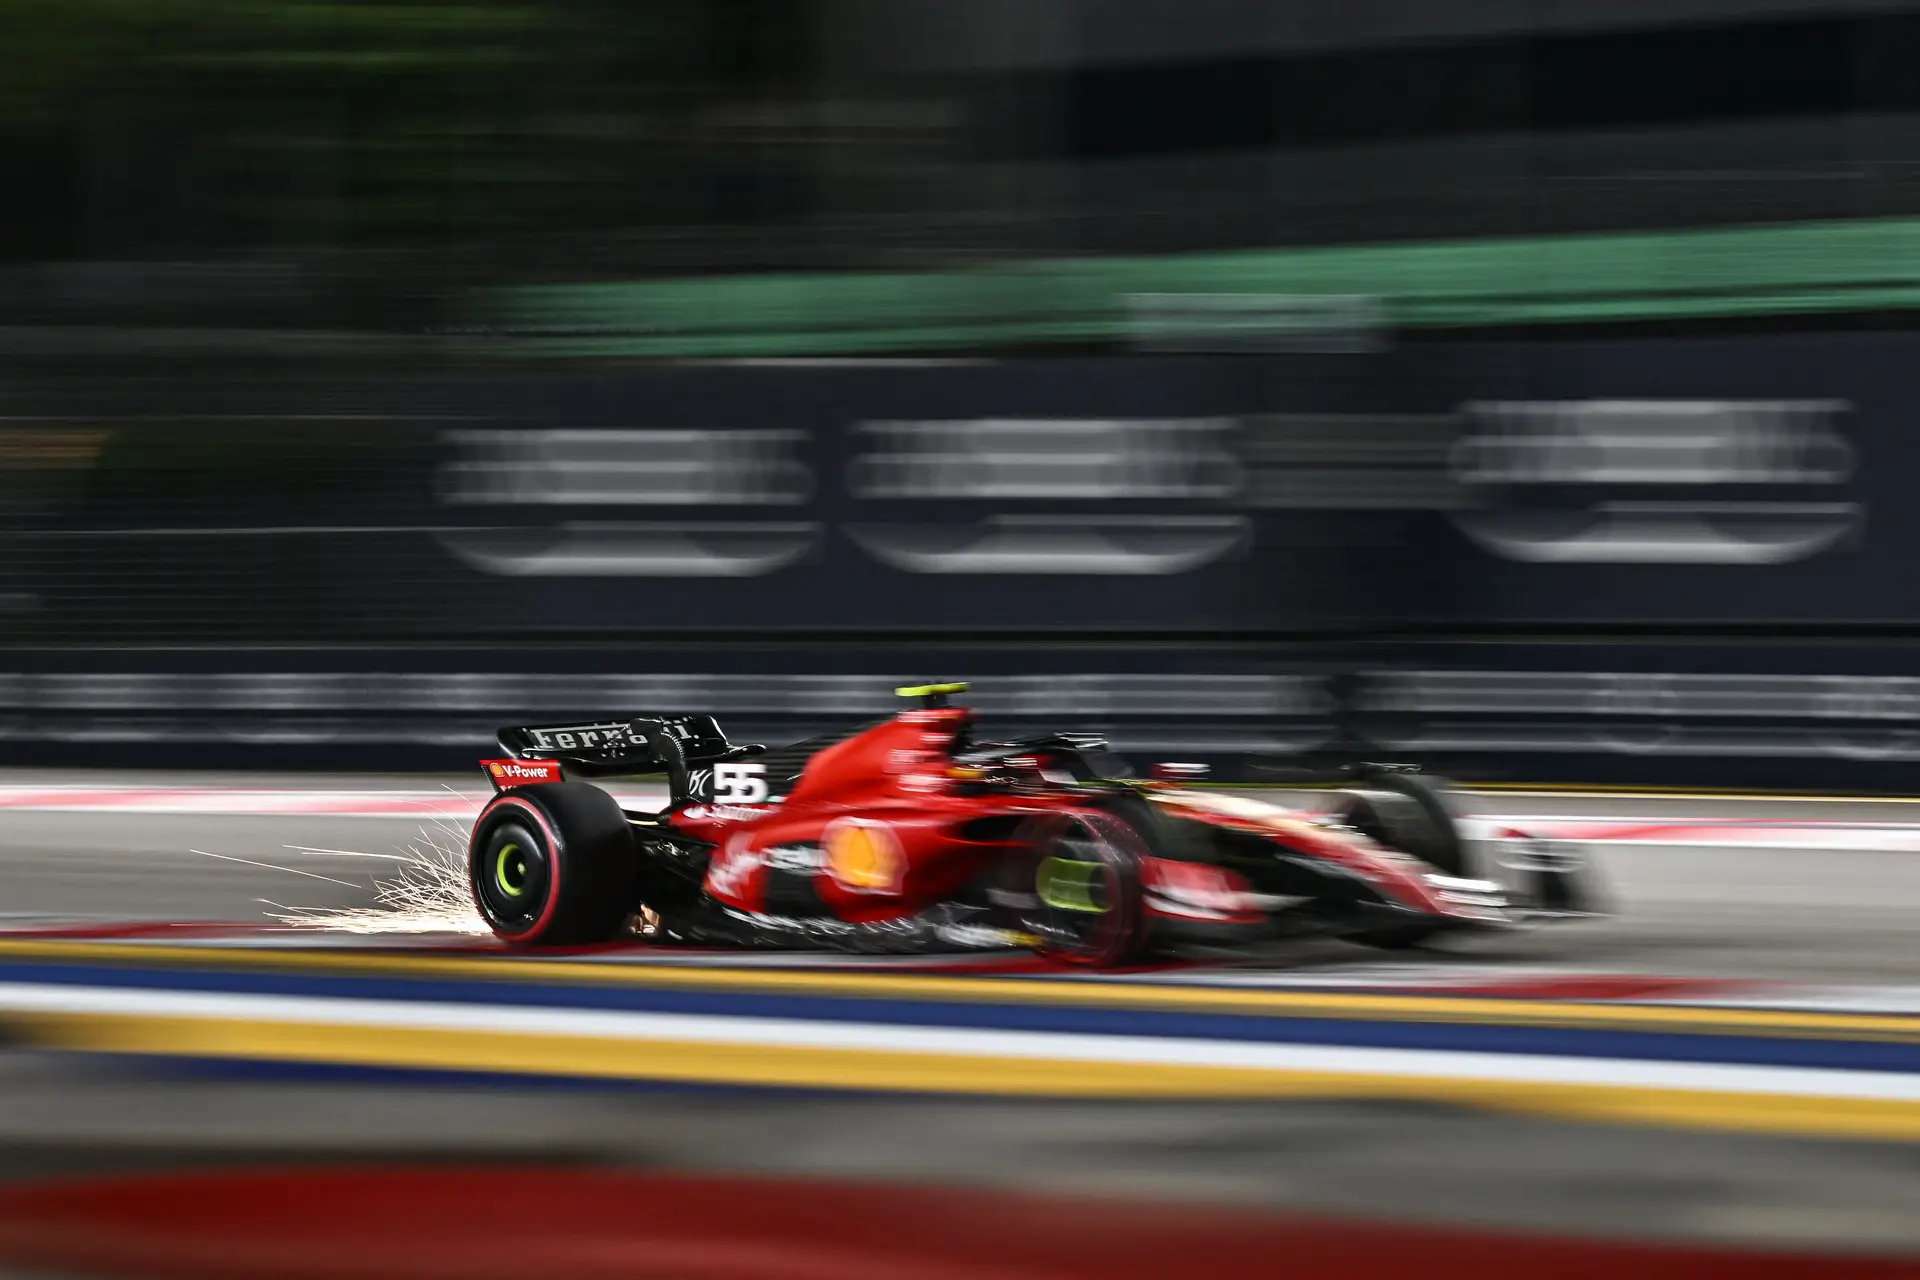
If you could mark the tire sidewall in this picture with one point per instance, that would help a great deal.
(519, 807)
(1121, 850)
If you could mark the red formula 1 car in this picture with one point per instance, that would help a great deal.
(911, 835)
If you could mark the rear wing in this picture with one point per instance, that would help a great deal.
(652, 743)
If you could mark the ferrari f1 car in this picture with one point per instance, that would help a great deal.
(914, 835)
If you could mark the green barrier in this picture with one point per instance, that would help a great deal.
(1729, 272)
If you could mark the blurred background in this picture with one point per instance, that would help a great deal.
(1522, 387)
(1518, 385)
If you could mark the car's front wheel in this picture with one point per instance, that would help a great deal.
(554, 865)
(1075, 889)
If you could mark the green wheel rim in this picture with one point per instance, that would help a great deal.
(510, 870)
(1066, 884)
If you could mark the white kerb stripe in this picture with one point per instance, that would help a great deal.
(1044, 1045)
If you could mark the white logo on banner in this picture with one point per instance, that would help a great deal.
(1540, 463)
(608, 472)
(1052, 460)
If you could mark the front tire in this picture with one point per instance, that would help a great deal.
(554, 865)
(1075, 889)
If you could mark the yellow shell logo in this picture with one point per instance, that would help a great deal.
(865, 859)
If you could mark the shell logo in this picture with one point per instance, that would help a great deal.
(864, 856)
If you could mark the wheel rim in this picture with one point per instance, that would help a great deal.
(1077, 893)
(511, 875)
(1072, 885)
(510, 870)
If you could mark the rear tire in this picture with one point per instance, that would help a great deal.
(554, 865)
(1075, 888)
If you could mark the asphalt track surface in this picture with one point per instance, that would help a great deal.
(1808, 914)
(61, 1118)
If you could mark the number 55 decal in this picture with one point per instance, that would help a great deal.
(739, 783)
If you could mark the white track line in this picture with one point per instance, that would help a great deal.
(787, 1033)
(457, 806)
(269, 803)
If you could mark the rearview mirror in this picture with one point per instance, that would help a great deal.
(1169, 771)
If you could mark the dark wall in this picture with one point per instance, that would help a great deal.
(1666, 561)
(1485, 486)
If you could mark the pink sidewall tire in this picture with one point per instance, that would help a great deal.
(554, 865)
(1076, 889)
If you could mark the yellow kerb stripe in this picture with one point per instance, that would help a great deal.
(405, 1048)
(508, 967)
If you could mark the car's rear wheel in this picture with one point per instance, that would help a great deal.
(1075, 889)
(554, 865)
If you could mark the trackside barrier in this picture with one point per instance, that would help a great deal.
(1797, 716)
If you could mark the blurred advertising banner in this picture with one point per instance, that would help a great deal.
(1709, 713)
(352, 709)
(1669, 482)
(1661, 712)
